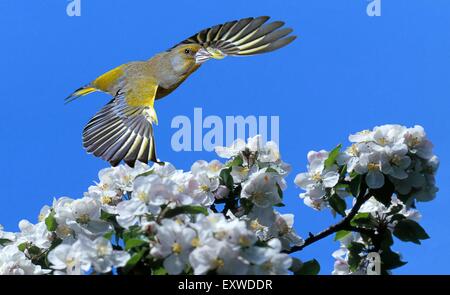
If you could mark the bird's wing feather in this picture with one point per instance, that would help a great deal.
(247, 36)
(120, 131)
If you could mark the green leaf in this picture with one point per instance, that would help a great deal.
(356, 247)
(363, 219)
(390, 260)
(4, 241)
(236, 161)
(160, 271)
(146, 173)
(108, 235)
(227, 179)
(410, 231)
(280, 191)
(338, 204)
(343, 171)
(386, 240)
(279, 205)
(397, 217)
(271, 170)
(186, 210)
(34, 250)
(107, 216)
(341, 234)
(133, 243)
(342, 186)
(406, 199)
(384, 194)
(296, 265)
(332, 157)
(134, 260)
(50, 222)
(132, 233)
(311, 267)
(355, 185)
(354, 258)
(55, 243)
(22, 247)
(395, 209)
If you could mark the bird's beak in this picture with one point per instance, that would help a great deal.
(215, 53)
(205, 54)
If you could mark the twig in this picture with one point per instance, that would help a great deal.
(163, 213)
(344, 224)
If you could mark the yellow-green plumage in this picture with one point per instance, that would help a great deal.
(123, 130)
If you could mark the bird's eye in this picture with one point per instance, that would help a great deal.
(187, 51)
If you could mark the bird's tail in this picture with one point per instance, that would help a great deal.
(82, 91)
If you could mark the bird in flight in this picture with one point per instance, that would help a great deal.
(123, 128)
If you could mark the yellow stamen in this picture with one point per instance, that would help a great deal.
(83, 219)
(195, 242)
(255, 225)
(220, 235)
(41, 217)
(106, 200)
(176, 248)
(373, 167)
(102, 251)
(316, 176)
(218, 263)
(258, 196)
(215, 167)
(353, 150)
(142, 196)
(396, 160)
(64, 231)
(414, 141)
(205, 188)
(382, 141)
(244, 241)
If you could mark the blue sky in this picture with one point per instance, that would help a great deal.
(346, 72)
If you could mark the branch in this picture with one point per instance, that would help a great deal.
(344, 224)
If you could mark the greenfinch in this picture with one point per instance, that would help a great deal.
(123, 128)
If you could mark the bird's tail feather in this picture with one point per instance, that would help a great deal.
(82, 91)
(247, 36)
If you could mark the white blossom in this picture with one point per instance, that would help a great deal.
(228, 152)
(205, 188)
(317, 179)
(261, 188)
(36, 234)
(218, 256)
(174, 243)
(14, 262)
(171, 218)
(269, 260)
(85, 254)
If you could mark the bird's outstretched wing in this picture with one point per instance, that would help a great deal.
(120, 131)
(247, 36)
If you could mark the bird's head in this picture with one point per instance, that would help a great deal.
(198, 53)
(183, 58)
(186, 56)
